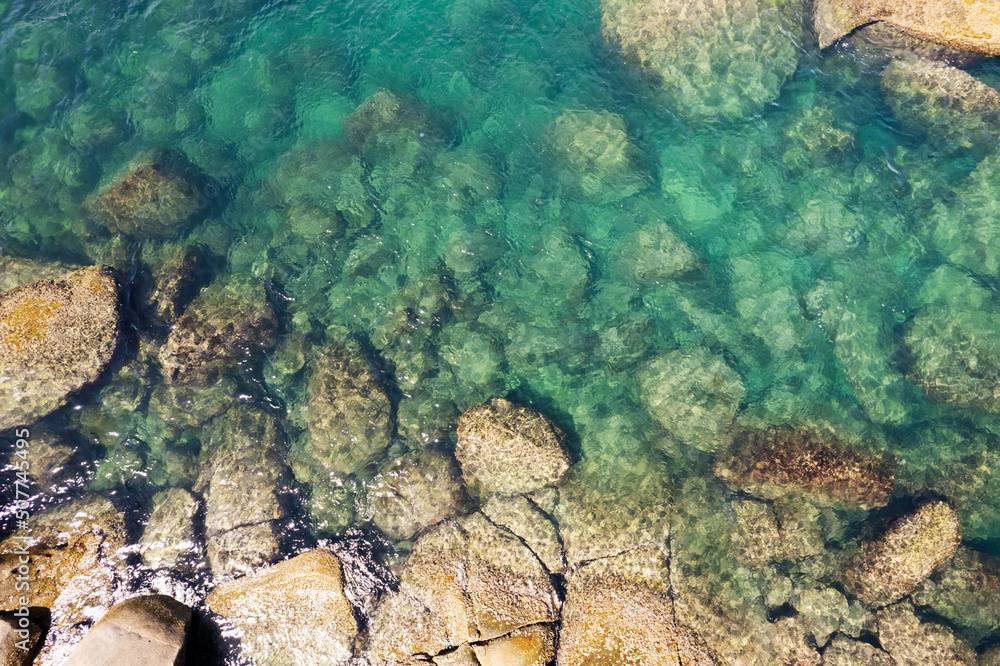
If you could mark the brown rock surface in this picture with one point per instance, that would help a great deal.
(973, 25)
(912, 641)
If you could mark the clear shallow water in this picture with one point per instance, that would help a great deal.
(472, 262)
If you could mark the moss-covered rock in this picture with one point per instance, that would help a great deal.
(785, 461)
(904, 553)
(229, 322)
(596, 159)
(156, 197)
(713, 59)
(694, 394)
(294, 612)
(55, 337)
(418, 489)
(509, 449)
(966, 24)
(946, 102)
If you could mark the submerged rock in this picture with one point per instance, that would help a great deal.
(417, 490)
(242, 477)
(973, 25)
(523, 517)
(911, 640)
(528, 646)
(693, 394)
(149, 630)
(230, 321)
(843, 651)
(713, 59)
(508, 449)
(172, 276)
(656, 253)
(762, 533)
(293, 613)
(17, 271)
(169, 540)
(597, 158)
(56, 336)
(967, 225)
(952, 106)
(906, 552)
(157, 197)
(883, 42)
(956, 356)
(966, 593)
(784, 461)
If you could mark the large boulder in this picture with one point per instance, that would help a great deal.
(158, 196)
(149, 630)
(509, 449)
(293, 613)
(693, 394)
(784, 461)
(228, 322)
(905, 553)
(55, 337)
(973, 25)
(242, 478)
(713, 59)
(947, 102)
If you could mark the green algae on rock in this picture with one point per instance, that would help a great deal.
(784, 461)
(56, 336)
(714, 59)
(903, 554)
(294, 612)
(694, 394)
(953, 107)
(972, 25)
(509, 449)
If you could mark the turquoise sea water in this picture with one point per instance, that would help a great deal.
(471, 259)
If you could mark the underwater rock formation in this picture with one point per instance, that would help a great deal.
(693, 394)
(418, 489)
(912, 640)
(904, 553)
(157, 197)
(55, 337)
(947, 102)
(508, 449)
(17, 271)
(294, 612)
(169, 540)
(171, 278)
(714, 59)
(966, 227)
(596, 159)
(785, 461)
(228, 323)
(966, 593)
(656, 253)
(973, 25)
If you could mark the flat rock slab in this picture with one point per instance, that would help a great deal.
(55, 337)
(973, 25)
(149, 630)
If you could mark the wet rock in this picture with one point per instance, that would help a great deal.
(169, 540)
(417, 490)
(172, 269)
(843, 651)
(149, 630)
(385, 128)
(783, 461)
(693, 394)
(294, 612)
(618, 611)
(972, 25)
(656, 253)
(182, 406)
(17, 271)
(348, 415)
(952, 106)
(761, 534)
(906, 552)
(822, 611)
(50, 457)
(912, 641)
(404, 630)
(602, 515)
(882, 42)
(508, 449)
(597, 160)
(159, 196)
(523, 518)
(528, 646)
(708, 57)
(241, 477)
(18, 649)
(55, 337)
(966, 593)
(76, 562)
(229, 322)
